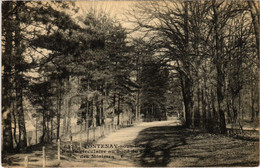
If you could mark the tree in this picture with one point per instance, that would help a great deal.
(14, 66)
(204, 42)
(254, 9)
(22, 22)
(107, 62)
(255, 13)
(6, 90)
(41, 98)
(154, 79)
(170, 22)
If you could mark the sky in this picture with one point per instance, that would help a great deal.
(116, 9)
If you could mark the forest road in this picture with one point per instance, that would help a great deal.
(151, 144)
(121, 148)
(166, 144)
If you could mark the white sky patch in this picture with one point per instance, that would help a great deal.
(115, 9)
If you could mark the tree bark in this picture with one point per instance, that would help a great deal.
(203, 107)
(14, 116)
(118, 110)
(188, 104)
(187, 90)
(197, 112)
(58, 111)
(7, 60)
(43, 127)
(220, 75)
(21, 122)
(255, 14)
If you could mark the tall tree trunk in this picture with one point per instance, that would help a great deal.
(197, 112)
(187, 82)
(21, 122)
(137, 110)
(48, 126)
(94, 119)
(114, 104)
(65, 120)
(43, 127)
(7, 60)
(203, 107)
(118, 109)
(7, 143)
(239, 105)
(87, 116)
(234, 108)
(188, 107)
(252, 103)
(210, 119)
(152, 112)
(14, 118)
(229, 119)
(51, 128)
(19, 82)
(187, 98)
(68, 125)
(58, 111)
(220, 74)
(216, 117)
(220, 96)
(255, 14)
(101, 112)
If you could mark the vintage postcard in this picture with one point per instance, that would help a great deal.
(169, 83)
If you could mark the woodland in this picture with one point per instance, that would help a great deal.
(198, 59)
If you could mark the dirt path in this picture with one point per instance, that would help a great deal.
(127, 135)
(167, 144)
(112, 149)
(160, 144)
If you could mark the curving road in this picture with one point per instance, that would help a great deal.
(119, 148)
(166, 144)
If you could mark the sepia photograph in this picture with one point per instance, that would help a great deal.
(117, 83)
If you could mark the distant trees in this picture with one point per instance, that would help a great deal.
(151, 77)
(209, 43)
(108, 64)
(41, 98)
(154, 80)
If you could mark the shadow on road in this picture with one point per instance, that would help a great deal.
(159, 142)
(155, 146)
(177, 146)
